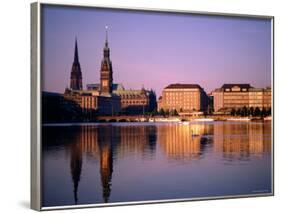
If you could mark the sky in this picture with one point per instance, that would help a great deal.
(154, 49)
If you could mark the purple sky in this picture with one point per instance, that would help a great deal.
(155, 49)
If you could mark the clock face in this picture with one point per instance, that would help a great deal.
(104, 83)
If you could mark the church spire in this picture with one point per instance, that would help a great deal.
(76, 74)
(76, 58)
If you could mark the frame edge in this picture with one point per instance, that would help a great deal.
(35, 193)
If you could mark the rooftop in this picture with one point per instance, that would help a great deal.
(236, 85)
(183, 86)
(46, 93)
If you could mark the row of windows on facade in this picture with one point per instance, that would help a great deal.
(245, 95)
(236, 90)
(241, 101)
(134, 102)
(181, 98)
(182, 103)
(180, 94)
(133, 96)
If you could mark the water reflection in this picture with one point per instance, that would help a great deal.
(180, 144)
(237, 142)
(184, 142)
(75, 167)
(105, 146)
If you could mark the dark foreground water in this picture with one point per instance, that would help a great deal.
(121, 162)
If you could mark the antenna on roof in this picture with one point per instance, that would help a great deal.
(106, 34)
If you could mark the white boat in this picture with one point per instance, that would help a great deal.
(167, 120)
(184, 122)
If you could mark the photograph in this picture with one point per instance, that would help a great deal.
(144, 106)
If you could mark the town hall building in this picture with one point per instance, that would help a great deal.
(106, 98)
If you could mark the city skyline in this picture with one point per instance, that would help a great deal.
(172, 48)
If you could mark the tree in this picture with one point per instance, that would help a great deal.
(238, 112)
(268, 111)
(147, 113)
(244, 111)
(251, 111)
(162, 112)
(154, 112)
(233, 111)
(263, 112)
(174, 112)
(210, 111)
(257, 111)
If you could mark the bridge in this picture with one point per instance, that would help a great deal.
(122, 118)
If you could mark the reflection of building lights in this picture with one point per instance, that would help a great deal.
(232, 141)
(178, 141)
(242, 139)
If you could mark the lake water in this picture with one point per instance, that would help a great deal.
(122, 162)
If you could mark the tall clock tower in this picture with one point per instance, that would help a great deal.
(106, 79)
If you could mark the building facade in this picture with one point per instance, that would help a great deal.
(136, 101)
(91, 103)
(235, 96)
(133, 101)
(267, 97)
(183, 98)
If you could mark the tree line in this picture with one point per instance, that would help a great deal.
(244, 111)
(251, 111)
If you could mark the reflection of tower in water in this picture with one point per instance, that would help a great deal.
(105, 141)
(75, 166)
(101, 143)
(95, 142)
(129, 139)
